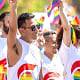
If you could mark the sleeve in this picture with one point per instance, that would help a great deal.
(63, 53)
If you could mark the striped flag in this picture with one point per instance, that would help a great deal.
(56, 16)
(54, 4)
(75, 21)
(73, 36)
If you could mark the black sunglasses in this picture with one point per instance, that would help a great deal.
(48, 33)
(34, 27)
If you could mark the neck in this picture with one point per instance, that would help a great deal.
(26, 40)
(49, 55)
(4, 35)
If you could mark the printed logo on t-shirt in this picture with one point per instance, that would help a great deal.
(75, 70)
(51, 76)
(3, 69)
(25, 72)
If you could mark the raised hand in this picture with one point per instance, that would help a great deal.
(13, 3)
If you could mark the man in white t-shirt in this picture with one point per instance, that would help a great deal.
(23, 56)
(3, 45)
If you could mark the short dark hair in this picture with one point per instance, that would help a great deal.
(2, 16)
(23, 17)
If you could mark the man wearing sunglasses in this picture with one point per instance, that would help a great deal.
(23, 56)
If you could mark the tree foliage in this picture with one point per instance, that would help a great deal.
(31, 5)
(27, 6)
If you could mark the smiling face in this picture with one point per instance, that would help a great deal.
(31, 29)
(5, 20)
(28, 30)
(50, 44)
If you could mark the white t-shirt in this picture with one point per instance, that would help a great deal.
(3, 59)
(28, 67)
(3, 42)
(52, 69)
(70, 57)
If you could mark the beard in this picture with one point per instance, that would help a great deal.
(5, 28)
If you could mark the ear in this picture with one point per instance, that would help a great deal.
(21, 30)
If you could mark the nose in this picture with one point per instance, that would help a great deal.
(54, 44)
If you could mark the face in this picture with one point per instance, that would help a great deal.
(50, 43)
(6, 24)
(30, 31)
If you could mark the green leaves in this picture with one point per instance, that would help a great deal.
(31, 5)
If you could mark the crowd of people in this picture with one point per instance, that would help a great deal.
(37, 55)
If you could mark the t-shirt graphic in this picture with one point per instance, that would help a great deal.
(25, 72)
(75, 70)
(3, 69)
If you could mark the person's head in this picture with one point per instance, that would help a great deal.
(26, 26)
(50, 42)
(4, 17)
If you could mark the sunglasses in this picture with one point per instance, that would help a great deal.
(34, 27)
(48, 33)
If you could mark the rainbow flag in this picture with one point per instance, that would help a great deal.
(54, 4)
(73, 36)
(56, 16)
(40, 22)
(75, 21)
(49, 9)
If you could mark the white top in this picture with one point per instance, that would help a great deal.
(27, 68)
(3, 42)
(52, 69)
(3, 60)
(71, 59)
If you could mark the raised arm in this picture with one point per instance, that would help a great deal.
(11, 39)
(66, 27)
(12, 24)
